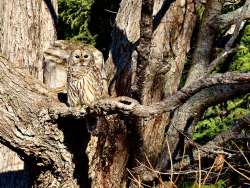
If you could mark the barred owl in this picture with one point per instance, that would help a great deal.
(85, 78)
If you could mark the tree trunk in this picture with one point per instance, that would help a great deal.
(27, 28)
(172, 30)
(150, 43)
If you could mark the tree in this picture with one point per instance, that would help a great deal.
(26, 30)
(149, 116)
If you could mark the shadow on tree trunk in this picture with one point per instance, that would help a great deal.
(76, 138)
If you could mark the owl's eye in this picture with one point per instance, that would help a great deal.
(86, 56)
(77, 56)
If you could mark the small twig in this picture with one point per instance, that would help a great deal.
(205, 179)
(182, 158)
(180, 172)
(171, 161)
(134, 179)
(185, 172)
(110, 11)
(242, 153)
(243, 175)
(199, 159)
(218, 176)
(221, 57)
(151, 166)
(247, 171)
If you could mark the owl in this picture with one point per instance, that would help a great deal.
(86, 81)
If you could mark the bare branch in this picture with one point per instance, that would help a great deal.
(206, 36)
(238, 26)
(213, 147)
(213, 21)
(233, 17)
(228, 48)
(235, 132)
(220, 59)
(128, 106)
(143, 49)
(189, 113)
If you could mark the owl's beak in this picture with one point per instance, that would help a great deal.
(83, 63)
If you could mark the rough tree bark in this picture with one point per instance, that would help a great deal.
(151, 40)
(26, 30)
(163, 43)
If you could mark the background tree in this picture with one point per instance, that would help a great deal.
(149, 117)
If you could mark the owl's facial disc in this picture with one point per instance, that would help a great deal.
(75, 57)
(86, 58)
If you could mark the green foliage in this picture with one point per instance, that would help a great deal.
(90, 21)
(218, 118)
(241, 60)
(73, 20)
(229, 7)
(200, 11)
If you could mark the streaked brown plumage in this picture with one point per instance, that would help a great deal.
(85, 82)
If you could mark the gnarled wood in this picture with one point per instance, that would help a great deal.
(27, 128)
(173, 25)
(42, 130)
(27, 28)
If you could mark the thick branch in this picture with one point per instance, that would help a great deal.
(27, 128)
(190, 112)
(220, 59)
(206, 36)
(233, 17)
(143, 49)
(128, 106)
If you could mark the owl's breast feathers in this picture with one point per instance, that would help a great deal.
(85, 86)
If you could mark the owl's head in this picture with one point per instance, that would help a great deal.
(81, 57)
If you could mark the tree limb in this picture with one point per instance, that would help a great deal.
(27, 128)
(206, 36)
(213, 21)
(227, 50)
(143, 49)
(129, 106)
(220, 59)
(233, 17)
(189, 113)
